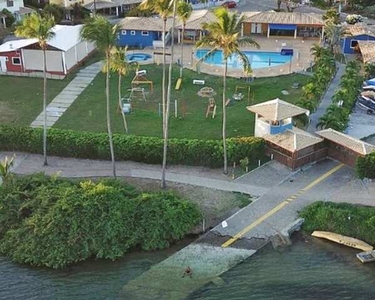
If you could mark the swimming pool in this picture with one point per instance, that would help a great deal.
(258, 59)
(138, 56)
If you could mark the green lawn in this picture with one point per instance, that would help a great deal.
(88, 112)
(21, 98)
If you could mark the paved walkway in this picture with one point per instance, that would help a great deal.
(327, 99)
(67, 96)
(197, 176)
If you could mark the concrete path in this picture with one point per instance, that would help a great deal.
(197, 176)
(67, 96)
(327, 99)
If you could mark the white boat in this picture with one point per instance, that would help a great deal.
(365, 257)
(343, 240)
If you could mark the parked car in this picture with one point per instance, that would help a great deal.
(367, 104)
(229, 4)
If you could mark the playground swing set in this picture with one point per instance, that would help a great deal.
(136, 90)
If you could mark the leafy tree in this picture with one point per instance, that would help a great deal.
(9, 17)
(184, 10)
(38, 27)
(100, 31)
(164, 9)
(224, 34)
(370, 70)
(332, 16)
(79, 13)
(121, 66)
(54, 10)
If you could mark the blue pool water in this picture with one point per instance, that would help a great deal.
(138, 56)
(257, 59)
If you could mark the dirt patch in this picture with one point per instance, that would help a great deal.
(215, 205)
(6, 113)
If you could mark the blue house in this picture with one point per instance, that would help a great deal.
(142, 32)
(358, 32)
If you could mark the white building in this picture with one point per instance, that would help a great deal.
(16, 7)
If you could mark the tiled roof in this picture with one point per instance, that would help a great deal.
(277, 109)
(197, 18)
(142, 23)
(367, 50)
(272, 17)
(360, 28)
(347, 141)
(293, 140)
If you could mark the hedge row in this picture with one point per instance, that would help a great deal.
(366, 166)
(68, 143)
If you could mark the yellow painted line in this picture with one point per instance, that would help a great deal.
(254, 224)
(279, 207)
(323, 177)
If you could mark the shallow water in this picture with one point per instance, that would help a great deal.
(313, 270)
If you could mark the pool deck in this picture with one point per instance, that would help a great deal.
(301, 60)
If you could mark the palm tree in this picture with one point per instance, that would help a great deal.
(317, 51)
(335, 118)
(164, 9)
(225, 34)
(99, 31)
(120, 65)
(37, 27)
(184, 10)
(334, 34)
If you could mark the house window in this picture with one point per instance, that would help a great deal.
(353, 43)
(10, 3)
(132, 32)
(145, 33)
(123, 32)
(16, 61)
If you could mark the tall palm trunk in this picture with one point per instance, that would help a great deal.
(225, 117)
(164, 74)
(45, 107)
(165, 146)
(119, 103)
(109, 118)
(182, 49)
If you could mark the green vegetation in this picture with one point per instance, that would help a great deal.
(47, 221)
(87, 113)
(337, 114)
(67, 143)
(346, 219)
(366, 166)
(21, 98)
(324, 70)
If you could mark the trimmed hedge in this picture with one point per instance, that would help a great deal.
(342, 218)
(366, 166)
(68, 143)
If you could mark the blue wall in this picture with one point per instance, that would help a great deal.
(281, 128)
(138, 39)
(346, 42)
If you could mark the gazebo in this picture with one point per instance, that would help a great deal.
(287, 144)
(274, 116)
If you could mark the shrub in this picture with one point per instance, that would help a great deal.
(67, 143)
(9, 17)
(366, 166)
(342, 218)
(52, 222)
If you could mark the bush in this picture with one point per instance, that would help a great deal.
(366, 166)
(345, 219)
(67, 143)
(52, 222)
(9, 17)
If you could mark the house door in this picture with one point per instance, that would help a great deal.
(3, 64)
(256, 28)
